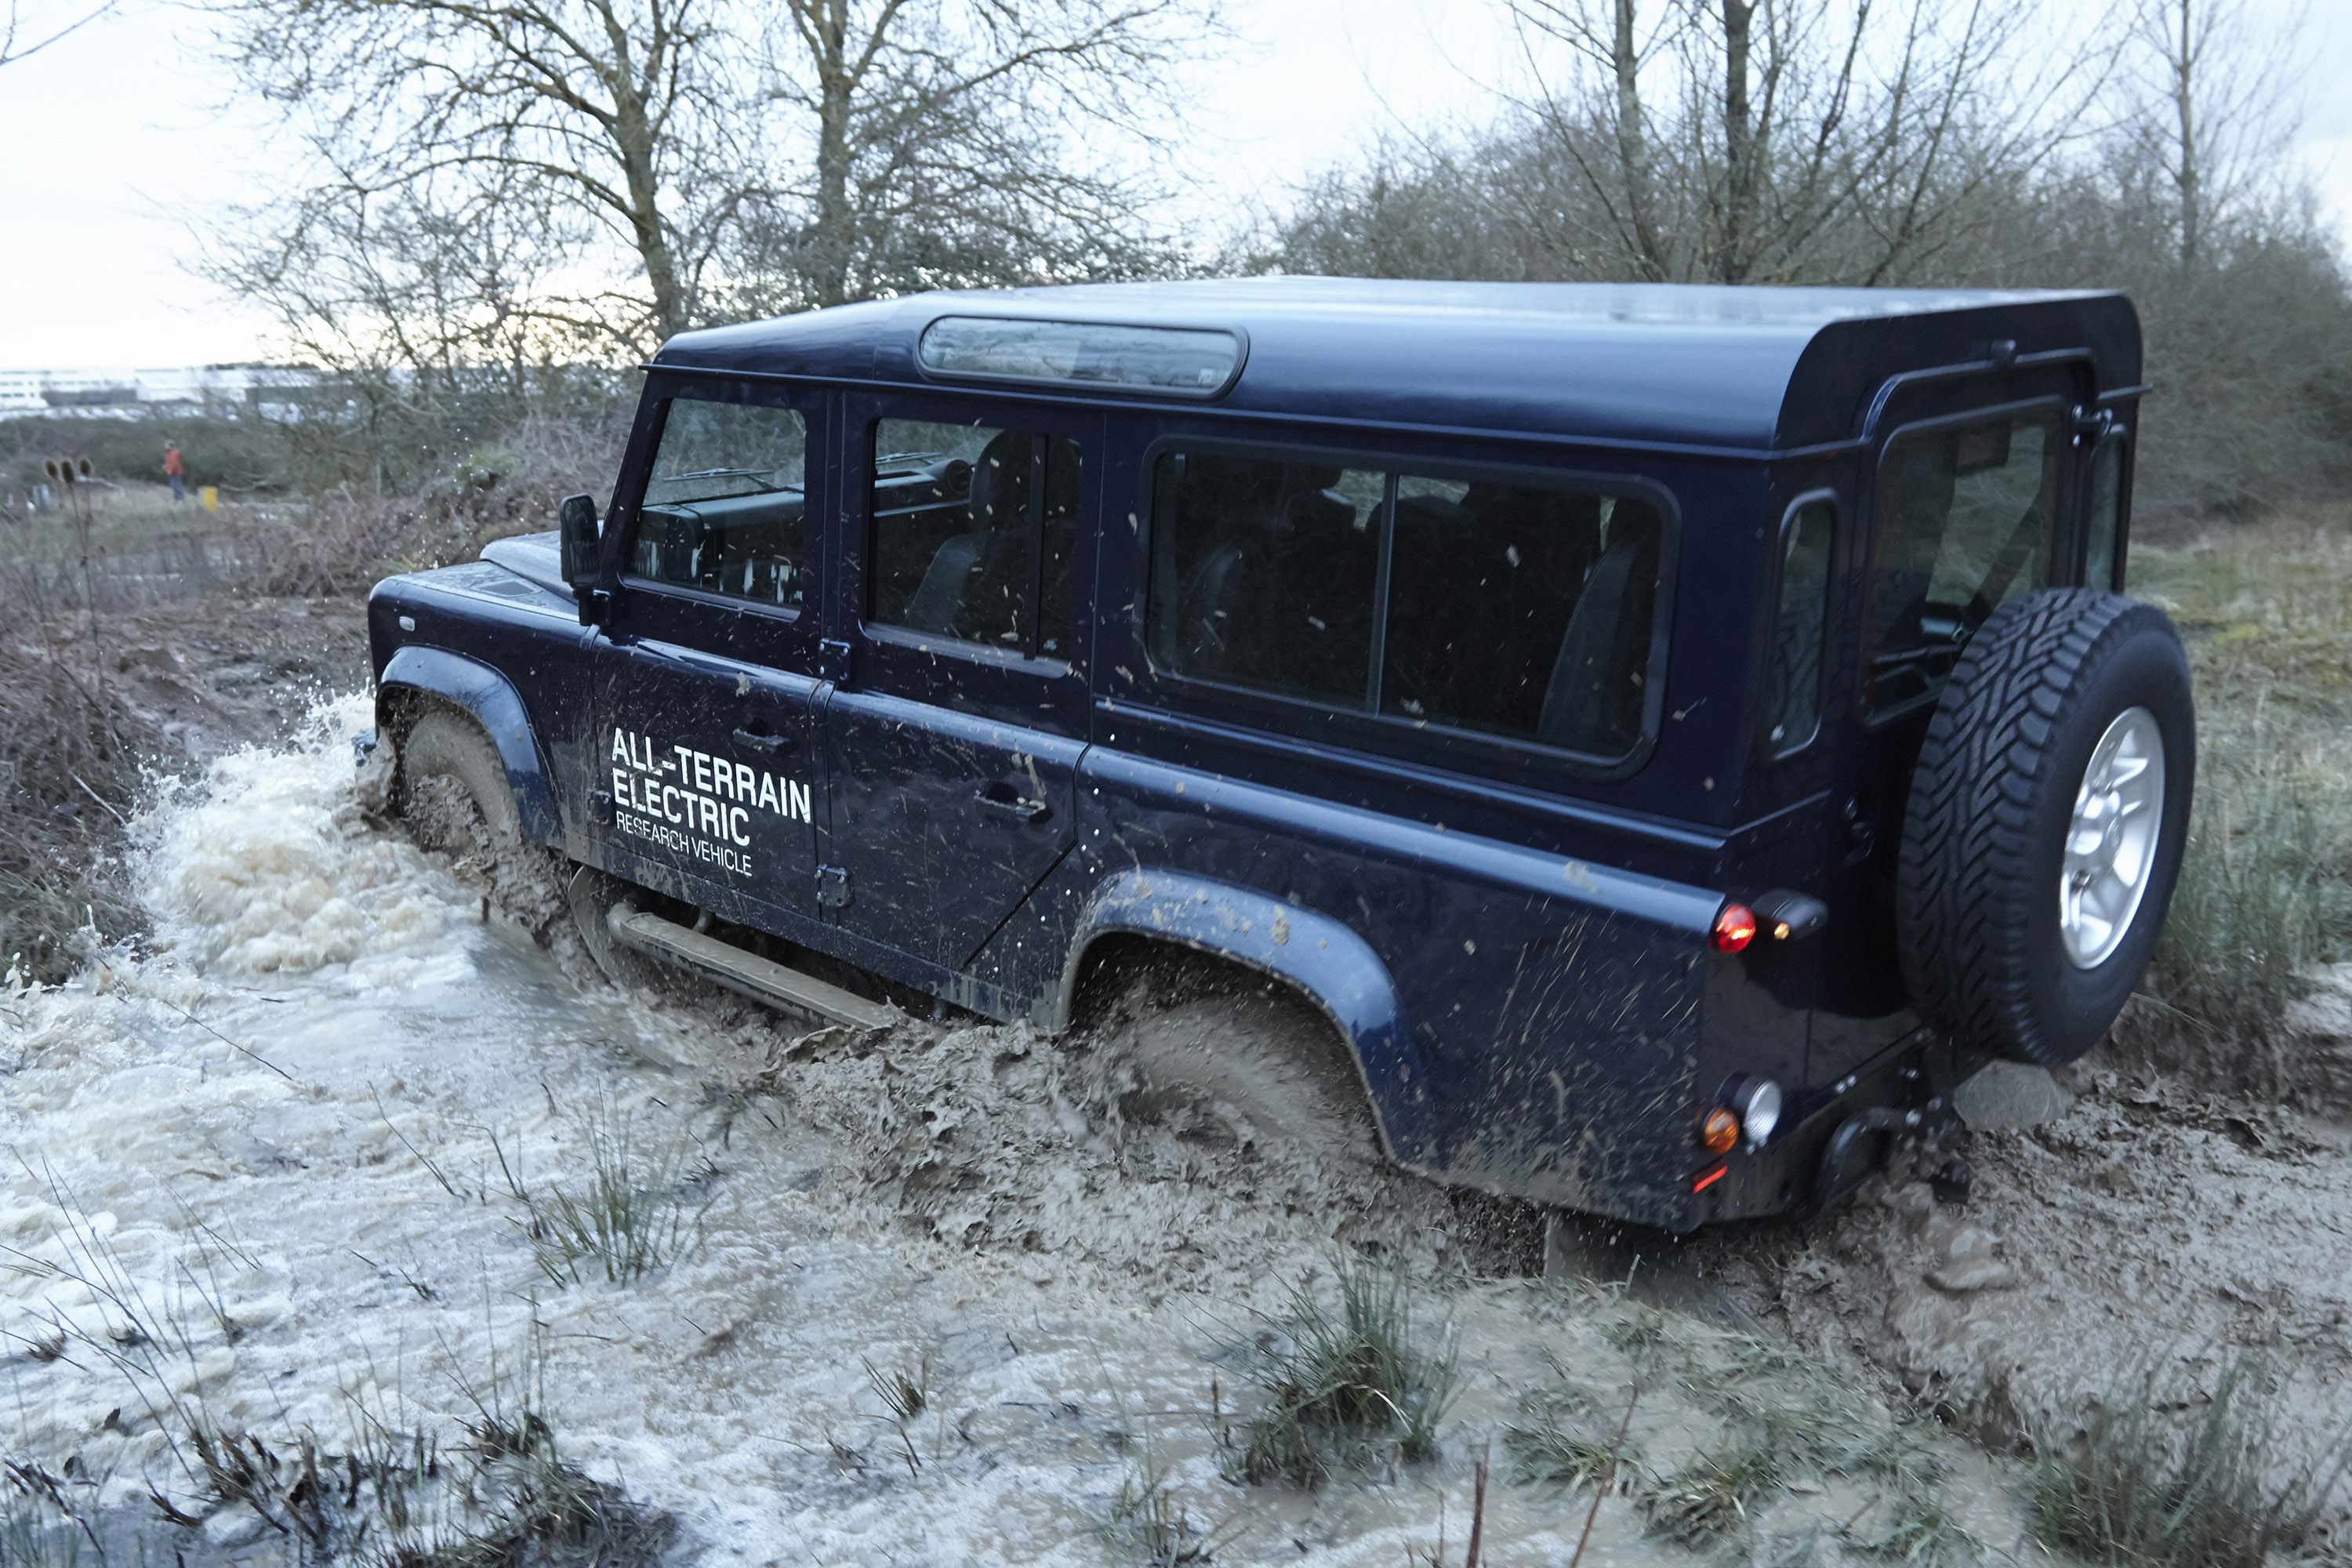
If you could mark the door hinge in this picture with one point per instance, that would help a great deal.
(833, 660)
(832, 887)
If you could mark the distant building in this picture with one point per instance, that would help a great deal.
(276, 392)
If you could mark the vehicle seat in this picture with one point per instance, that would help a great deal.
(1594, 702)
(998, 504)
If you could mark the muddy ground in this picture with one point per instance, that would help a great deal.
(977, 1204)
(212, 674)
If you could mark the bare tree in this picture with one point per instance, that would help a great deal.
(621, 111)
(1773, 140)
(17, 42)
(933, 142)
(2220, 101)
(741, 159)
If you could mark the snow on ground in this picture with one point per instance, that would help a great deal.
(266, 1175)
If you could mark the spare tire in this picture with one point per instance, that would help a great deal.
(2045, 824)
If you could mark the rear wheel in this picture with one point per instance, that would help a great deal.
(1227, 1057)
(2046, 823)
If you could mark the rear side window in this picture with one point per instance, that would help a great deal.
(723, 509)
(1513, 609)
(1793, 674)
(1966, 515)
(2105, 522)
(974, 535)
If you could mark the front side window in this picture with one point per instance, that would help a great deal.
(1513, 609)
(975, 534)
(1966, 518)
(1793, 674)
(723, 507)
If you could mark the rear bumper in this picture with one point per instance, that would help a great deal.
(1911, 1082)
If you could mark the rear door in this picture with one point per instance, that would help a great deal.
(952, 743)
(706, 702)
(1966, 509)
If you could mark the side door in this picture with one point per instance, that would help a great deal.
(1967, 508)
(707, 701)
(953, 741)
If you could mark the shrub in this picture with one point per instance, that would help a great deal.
(69, 773)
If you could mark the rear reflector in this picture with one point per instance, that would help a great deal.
(1700, 1183)
(1734, 928)
(1718, 1130)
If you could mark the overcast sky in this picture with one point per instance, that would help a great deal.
(116, 135)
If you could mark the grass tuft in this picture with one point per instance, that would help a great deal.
(1563, 1444)
(1146, 1525)
(2140, 1487)
(637, 1213)
(2262, 896)
(1920, 1531)
(1709, 1498)
(1343, 1383)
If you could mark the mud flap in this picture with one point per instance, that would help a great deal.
(1860, 1146)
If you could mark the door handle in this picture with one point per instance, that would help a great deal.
(770, 744)
(1007, 804)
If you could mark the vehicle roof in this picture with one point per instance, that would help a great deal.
(1748, 368)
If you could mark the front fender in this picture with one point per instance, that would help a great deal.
(496, 705)
(1337, 969)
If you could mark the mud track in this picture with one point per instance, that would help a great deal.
(997, 1202)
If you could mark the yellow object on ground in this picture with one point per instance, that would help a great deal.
(209, 498)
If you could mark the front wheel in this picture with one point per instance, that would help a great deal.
(2046, 823)
(453, 791)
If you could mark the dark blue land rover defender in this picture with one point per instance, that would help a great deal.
(1673, 735)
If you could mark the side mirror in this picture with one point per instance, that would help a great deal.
(582, 545)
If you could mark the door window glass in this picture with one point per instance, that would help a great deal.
(974, 535)
(2105, 521)
(1792, 682)
(1513, 609)
(724, 506)
(1965, 522)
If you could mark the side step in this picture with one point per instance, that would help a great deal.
(756, 977)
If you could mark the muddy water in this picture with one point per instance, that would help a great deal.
(277, 1173)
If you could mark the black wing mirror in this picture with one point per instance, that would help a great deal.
(582, 545)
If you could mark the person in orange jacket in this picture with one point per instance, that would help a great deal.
(172, 471)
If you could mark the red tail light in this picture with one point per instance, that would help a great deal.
(1734, 928)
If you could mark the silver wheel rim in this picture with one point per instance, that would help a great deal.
(2111, 843)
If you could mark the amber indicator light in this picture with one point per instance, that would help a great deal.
(1734, 928)
(1719, 1131)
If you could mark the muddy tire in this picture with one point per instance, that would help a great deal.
(451, 790)
(1231, 1058)
(447, 764)
(2045, 825)
(590, 895)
